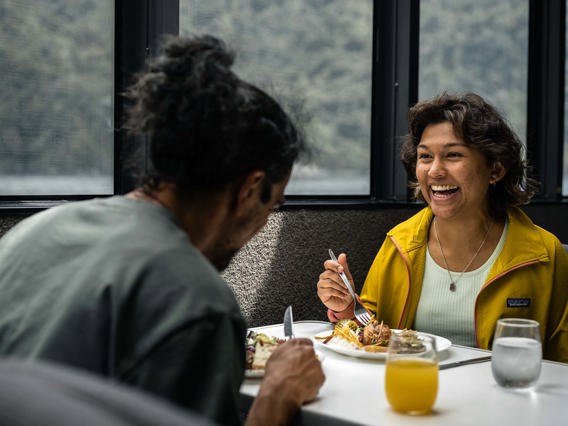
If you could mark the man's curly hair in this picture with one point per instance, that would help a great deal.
(206, 126)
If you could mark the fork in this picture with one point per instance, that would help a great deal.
(361, 313)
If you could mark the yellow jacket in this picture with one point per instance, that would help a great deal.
(529, 279)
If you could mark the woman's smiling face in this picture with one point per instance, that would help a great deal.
(454, 178)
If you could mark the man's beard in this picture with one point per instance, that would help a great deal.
(221, 258)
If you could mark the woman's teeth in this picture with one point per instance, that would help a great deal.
(443, 187)
(443, 190)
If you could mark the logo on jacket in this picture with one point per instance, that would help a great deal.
(518, 303)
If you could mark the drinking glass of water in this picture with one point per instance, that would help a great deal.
(517, 353)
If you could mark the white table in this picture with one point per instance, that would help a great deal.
(353, 392)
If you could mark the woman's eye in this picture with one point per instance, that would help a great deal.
(454, 154)
(423, 156)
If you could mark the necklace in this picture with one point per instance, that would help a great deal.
(452, 281)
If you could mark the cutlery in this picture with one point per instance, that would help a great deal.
(288, 323)
(361, 313)
(464, 362)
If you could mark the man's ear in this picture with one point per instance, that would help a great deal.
(498, 171)
(249, 191)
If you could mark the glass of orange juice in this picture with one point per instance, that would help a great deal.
(411, 372)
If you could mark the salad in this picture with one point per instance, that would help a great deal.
(259, 347)
(374, 337)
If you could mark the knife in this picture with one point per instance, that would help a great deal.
(464, 362)
(288, 323)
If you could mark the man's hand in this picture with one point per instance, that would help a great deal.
(293, 376)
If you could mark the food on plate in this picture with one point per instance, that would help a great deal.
(409, 342)
(376, 334)
(374, 337)
(259, 347)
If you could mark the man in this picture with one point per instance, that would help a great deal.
(128, 287)
(43, 393)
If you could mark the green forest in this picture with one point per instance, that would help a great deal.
(56, 66)
(57, 76)
(319, 52)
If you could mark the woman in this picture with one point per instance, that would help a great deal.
(471, 256)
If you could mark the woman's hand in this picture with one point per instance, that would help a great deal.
(331, 290)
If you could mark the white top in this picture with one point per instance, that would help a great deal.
(451, 313)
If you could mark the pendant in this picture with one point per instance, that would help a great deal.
(453, 286)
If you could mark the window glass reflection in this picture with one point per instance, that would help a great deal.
(312, 53)
(479, 46)
(56, 114)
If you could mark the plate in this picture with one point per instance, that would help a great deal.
(259, 372)
(254, 374)
(442, 344)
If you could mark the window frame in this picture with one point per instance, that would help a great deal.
(545, 106)
(139, 24)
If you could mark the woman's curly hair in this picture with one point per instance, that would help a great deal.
(206, 126)
(481, 127)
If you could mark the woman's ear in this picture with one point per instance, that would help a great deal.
(498, 171)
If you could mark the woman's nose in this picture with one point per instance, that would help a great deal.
(437, 169)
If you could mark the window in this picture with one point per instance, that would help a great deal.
(565, 157)
(315, 53)
(479, 46)
(354, 67)
(57, 109)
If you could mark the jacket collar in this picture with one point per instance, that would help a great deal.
(523, 244)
